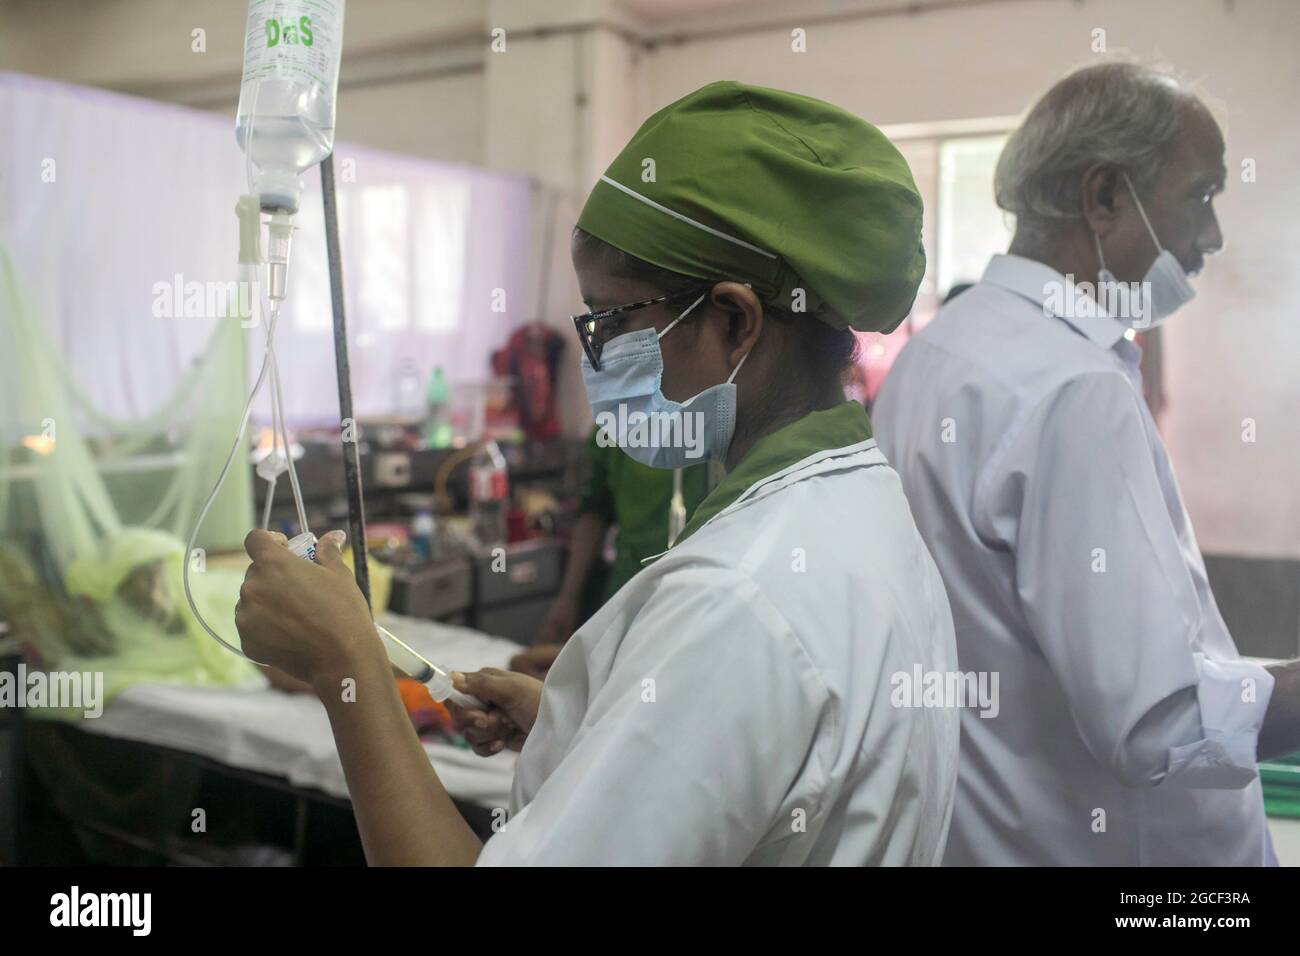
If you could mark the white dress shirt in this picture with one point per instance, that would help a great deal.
(1127, 726)
(731, 703)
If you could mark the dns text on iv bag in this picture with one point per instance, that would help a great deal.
(285, 125)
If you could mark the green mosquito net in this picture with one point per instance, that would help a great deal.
(95, 512)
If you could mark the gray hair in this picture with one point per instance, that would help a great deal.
(1120, 113)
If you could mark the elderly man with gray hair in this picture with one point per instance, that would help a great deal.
(1128, 725)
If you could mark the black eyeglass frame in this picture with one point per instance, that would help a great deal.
(586, 324)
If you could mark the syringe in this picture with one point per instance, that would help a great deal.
(400, 654)
(418, 667)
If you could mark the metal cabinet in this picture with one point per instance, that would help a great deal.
(440, 591)
(514, 588)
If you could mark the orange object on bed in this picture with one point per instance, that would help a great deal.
(423, 710)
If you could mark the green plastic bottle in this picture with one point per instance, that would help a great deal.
(437, 430)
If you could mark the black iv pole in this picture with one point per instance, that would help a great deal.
(350, 432)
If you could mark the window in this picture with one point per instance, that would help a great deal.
(971, 226)
(952, 165)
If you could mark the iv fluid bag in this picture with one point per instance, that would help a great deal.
(286, 101)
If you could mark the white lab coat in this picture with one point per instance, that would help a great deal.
(732, 703)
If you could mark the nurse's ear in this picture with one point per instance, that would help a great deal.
(744, 314)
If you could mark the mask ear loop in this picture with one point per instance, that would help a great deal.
(689, 310)
(736, 371)
(1101, 260)
(1143, 213)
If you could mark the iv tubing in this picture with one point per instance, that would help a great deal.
(268, 364)
(274, 479)
(270, 497)
(267, 355)
(277, 412)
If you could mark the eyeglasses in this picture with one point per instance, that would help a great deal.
(597, 328)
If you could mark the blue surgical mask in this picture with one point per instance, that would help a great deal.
(632, 411)
(1163, 291)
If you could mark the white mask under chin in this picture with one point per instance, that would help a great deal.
(1163, 290)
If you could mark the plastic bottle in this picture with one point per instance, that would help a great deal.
(286, 101)
(437, 430)
(489, 492)
(423, 529)
(408, 391)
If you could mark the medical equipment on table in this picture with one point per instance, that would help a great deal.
(285, 126)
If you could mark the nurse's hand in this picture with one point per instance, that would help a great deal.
(308, 619)
(512, 701)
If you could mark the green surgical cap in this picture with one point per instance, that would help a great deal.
(794, 196)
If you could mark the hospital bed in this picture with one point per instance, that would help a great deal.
(277, 741)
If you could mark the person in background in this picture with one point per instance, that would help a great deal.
(531, 360)
(1129, 726)
(647, 506)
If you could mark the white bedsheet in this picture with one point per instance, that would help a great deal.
(288, 735)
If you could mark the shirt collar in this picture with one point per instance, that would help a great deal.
(817, 432)
(1034, 280)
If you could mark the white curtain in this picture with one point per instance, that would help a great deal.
(108, 203)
